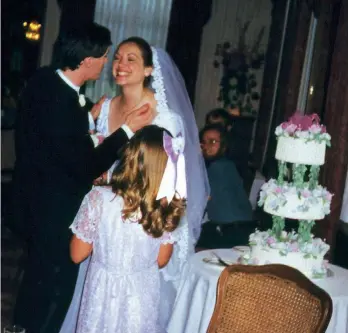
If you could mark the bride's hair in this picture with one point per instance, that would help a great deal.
(137, 179)
(145, 50)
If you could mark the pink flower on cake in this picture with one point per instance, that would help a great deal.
(284, 125)
(328, 196)
(291, 129)
(315, 129)
(255, 261)
(271, 240)
(278, 190)
(306, 193)
(294, 247)
(304, 122)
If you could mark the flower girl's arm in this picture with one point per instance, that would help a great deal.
(79, 250)
(164, 254)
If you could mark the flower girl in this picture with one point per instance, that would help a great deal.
(128, 226)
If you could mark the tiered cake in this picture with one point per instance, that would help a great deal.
(300, 152)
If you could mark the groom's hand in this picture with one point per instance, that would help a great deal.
(140, 118)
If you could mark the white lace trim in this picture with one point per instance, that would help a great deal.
(158, 84)
(181, 235)
(172, 272)
(79, 235)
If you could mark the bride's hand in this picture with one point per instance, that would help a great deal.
(140, 117)
(95, 111)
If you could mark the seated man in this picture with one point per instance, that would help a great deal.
(229, 210)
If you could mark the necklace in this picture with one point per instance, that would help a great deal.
(122, 109)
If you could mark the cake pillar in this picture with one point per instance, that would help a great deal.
(304, 230)
(278, 226)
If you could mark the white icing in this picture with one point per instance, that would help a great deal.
(288, 201)
(296, 260)
(313, 211)
(290, 250)
(300, 151)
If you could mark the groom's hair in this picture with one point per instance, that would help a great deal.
(78, 43)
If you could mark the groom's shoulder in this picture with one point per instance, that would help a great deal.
(42, 76)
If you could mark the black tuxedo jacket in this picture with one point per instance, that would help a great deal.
(56, 161)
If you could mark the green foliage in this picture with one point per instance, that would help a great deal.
(238, 83)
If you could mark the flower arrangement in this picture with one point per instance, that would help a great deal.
(238, 83)
(304, 127)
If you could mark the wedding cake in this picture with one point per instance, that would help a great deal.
(301, 144)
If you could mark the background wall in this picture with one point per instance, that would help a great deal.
(125, 18)
(227, 17)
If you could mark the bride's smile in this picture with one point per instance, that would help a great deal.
(128, 66)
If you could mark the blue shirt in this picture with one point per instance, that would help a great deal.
(229, 201)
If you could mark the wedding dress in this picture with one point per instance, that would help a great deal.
(174, 113)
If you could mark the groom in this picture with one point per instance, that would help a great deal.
(55, 167)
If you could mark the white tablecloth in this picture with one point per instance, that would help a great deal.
(195, 302)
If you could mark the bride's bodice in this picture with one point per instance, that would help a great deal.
(164, 118)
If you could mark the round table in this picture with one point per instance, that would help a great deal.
(196, 296)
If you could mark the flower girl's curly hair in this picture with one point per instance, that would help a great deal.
(137, 179)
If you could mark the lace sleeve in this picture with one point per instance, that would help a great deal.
(86, 222)
(168, 238)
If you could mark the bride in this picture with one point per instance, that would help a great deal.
(147, 75)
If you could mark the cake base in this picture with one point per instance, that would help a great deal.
(307, 257)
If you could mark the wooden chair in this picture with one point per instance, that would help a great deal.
(269, 298)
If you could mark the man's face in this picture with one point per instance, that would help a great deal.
(211, 144)
(96, 66)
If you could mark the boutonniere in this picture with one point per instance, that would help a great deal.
(82, 100)
(97, 138)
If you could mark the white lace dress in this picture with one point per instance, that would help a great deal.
(121, 292)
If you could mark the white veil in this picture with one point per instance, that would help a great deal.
(167, 75)
(172, 98)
